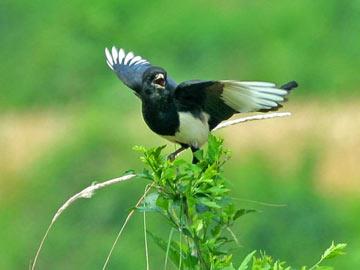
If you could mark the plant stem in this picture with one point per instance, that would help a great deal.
(168, 247)
(195, 239)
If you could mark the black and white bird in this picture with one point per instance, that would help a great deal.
(186, 113)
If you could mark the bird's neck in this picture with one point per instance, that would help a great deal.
(158, 102)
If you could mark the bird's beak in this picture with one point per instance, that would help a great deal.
(160, 80)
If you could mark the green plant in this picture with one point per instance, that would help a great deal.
(195, 201)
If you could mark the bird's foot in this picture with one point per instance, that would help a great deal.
(173, 155)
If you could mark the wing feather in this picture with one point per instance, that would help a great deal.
(222, 99)
(128, 67)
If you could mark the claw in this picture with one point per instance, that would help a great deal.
(171, 157)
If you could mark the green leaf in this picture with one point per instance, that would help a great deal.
(139, 148)
(241, 212)
(146, 175)
(199, 154)
(195, 200)
(209, 203)
(245, 262)
(334, 251)
(149, 203)
(162, 203)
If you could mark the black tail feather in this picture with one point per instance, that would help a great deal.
(290, 85)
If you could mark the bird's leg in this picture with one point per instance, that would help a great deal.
(173, 155)
(193, 150)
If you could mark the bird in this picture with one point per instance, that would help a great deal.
(187, 112)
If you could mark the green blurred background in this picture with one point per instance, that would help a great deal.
(65, 121)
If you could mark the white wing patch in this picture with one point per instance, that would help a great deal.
(121, 57)
(252, 96)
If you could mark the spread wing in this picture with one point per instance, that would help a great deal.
(222, 99)
(127, 66)
(130, 68)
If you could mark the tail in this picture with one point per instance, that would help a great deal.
(248, 96)
(289, 86)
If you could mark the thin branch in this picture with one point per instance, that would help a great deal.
(85, 193)
(250, 118)
(233, 236)
(124, 225)
(146, 244)
(239, 121)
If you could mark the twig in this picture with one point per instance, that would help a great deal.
(168, 247)
(233, 236)
(250, 118)
(239, 121)
(85, 193)
(124, 225)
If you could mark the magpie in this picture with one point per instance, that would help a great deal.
(186, 113)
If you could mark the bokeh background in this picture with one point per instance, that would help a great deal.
(65, 121)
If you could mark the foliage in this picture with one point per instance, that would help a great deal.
(264, 262)
(195, 201)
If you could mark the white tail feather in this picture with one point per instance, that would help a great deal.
(252, 96)
(258, 84)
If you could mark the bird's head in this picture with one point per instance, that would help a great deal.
(154, 81)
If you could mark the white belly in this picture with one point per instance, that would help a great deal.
(192, 131)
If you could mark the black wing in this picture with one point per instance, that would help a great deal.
(222, 99)
(130, 68)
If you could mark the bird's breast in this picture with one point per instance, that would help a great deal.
(193, 130)
(177, 126)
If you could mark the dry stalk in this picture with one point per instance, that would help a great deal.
(85, 193)
(250, 118)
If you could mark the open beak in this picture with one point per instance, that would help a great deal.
(160, 80)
